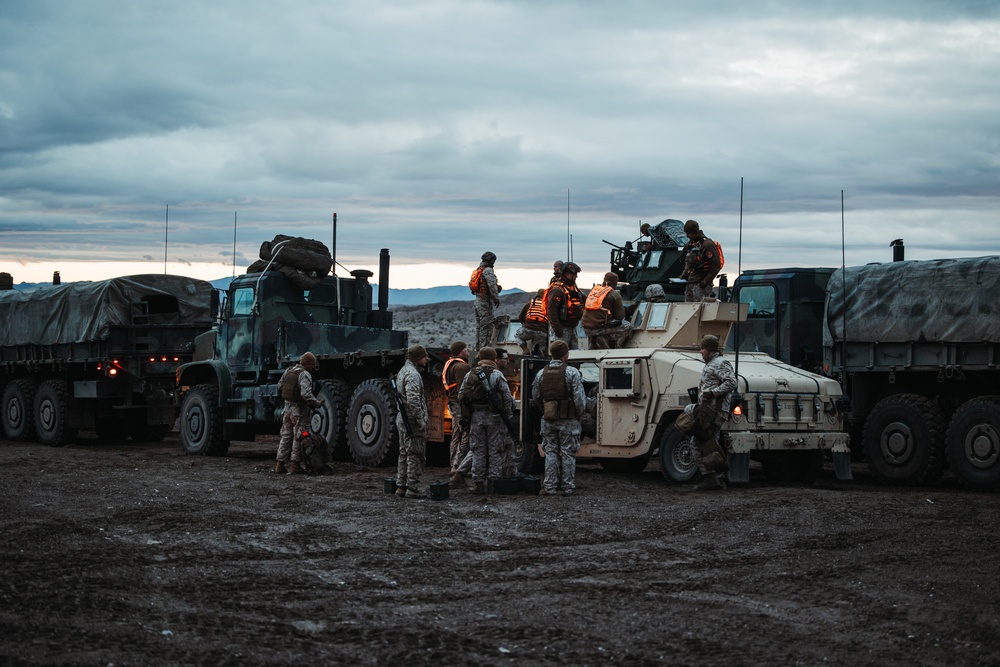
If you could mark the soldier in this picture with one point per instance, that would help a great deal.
(487, 431)
(655, 294)
(296, 385)
(412, 425)
(503, 360)
(702, 262)
(558, 393)
(564, 306)
(718, 381)
(484, 285)
(454, 372)
(604, 315)
(534, 332)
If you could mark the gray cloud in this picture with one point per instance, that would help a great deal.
(438, 126)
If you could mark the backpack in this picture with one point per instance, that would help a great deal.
(476, 283)
(718, 249)
(290, 390)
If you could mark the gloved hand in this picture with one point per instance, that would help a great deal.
(496, 302)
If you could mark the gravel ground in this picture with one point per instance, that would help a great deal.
(138, 555)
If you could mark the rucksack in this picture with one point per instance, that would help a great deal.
(722, 259)
(476, 283)
(290, 390)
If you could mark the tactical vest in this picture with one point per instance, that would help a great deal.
(574, 302)
(595, 300)
(448, 386)
(474, 389)
(290, 390)
(556, 399)
(536, 311)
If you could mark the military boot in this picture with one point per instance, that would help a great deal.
(457, 478)
(479, 489)
(279, 467)
(295, 469)
(712, 482)
(401, 491)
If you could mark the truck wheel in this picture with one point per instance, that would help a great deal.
(330, 419)
(18, 403)
(803, 467)
(974, 443)
(200, 425)
(371, 424)
(51, 414)
(678, 457)
(903, 440)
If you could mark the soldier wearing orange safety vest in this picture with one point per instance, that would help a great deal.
(452, 375)
(534, 332)
(604, 315)
(564, 306)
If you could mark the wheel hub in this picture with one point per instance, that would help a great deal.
(982, 446)
(368, 424)
(897, 443)
(685, 457)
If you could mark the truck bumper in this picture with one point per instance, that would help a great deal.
(744, 442)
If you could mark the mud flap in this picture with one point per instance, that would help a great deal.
(842, 465)
(739, 468)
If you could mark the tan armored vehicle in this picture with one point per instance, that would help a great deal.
(784, 417)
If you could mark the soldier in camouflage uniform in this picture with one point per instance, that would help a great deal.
(558, 393)
(455, 370)
(564, 305)
(296, 385)
(604, 316)
(534, 332)
(655, 294)
(412, 441)
(718, 381)
(487, 298)
(487, 431)
(701, 263)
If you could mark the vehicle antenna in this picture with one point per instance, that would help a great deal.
(739, 266)
(166, 228)
(843, 266)
(333, 245)
(569, 242)
(234, 244)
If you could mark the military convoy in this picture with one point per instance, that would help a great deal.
(915, 346)
(98, 356)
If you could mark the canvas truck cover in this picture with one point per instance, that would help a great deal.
(941, 300)
(85, 311)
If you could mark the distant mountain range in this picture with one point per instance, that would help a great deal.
(397, 297)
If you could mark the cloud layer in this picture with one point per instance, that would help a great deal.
(441, 129)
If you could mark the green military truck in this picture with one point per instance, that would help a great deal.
(915, 346)
(268, 320)
(98, 356)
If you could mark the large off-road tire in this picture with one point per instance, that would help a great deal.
(973, 443)
(18, 410)
(371, 424)
(803, 467)
(201, 426)
(904, 440)
(330, 419)
(51, 414)
(678, 457)
(632, 466)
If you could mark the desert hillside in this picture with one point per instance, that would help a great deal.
(440, 324)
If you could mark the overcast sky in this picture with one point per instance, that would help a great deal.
(444, 129)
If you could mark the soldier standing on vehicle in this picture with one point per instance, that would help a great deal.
(487, 431)
(558, 393)
(702, 262)
(564, 306)
(411, 425)
(534, 332)
(452, 375)
(604, 315)
(484, 285)
(718, 381)
(296, 386)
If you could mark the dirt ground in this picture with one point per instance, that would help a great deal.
(136, 554)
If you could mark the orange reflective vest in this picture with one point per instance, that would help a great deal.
(476, 283)
(595, 299)
(574, 309)
(536, 311)
(444, 373)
